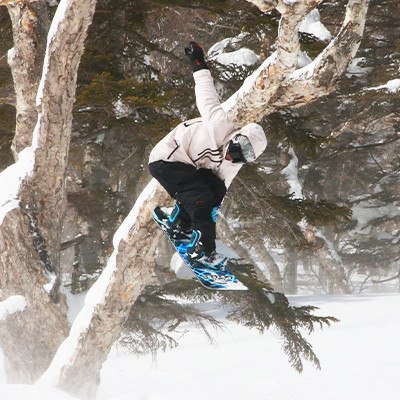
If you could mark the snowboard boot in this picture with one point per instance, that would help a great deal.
(177, 228)
(196, 251)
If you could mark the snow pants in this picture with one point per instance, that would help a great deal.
(197, 190)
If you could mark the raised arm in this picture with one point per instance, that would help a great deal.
(207, 100)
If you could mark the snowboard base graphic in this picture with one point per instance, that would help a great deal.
(216, 277)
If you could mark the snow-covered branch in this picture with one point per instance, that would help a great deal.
(321, 76)
(12, 305)
(277, 83)
(264, 5)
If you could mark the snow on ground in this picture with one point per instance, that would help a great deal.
(360, 360)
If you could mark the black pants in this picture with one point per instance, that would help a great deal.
(197, 190)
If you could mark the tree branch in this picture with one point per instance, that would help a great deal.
(321, 76)
(277, 84)
(6, 2)
(252, 103)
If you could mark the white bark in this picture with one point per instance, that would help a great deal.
(76, 366)
(277, 84)
(30, 24)
(30, 233)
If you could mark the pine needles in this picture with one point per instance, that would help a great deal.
(157, 315)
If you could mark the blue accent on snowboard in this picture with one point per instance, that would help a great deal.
(210, 276)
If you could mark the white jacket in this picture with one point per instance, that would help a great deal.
(203, 142)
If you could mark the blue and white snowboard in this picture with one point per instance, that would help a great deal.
(210, 276)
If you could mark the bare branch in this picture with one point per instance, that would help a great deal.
(249, 105)
(264, 5)
(277, 84)
(30, 24)
(6, 2)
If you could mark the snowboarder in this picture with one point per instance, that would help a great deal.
(197, 161)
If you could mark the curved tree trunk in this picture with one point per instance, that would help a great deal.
(277, 84)
(76, 367)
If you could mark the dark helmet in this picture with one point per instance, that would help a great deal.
(240, 149)
(247, 143)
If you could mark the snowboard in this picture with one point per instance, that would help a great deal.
(211, 276)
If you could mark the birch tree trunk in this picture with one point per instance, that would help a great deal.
(127, 273)
(30, 232)
(30, 22)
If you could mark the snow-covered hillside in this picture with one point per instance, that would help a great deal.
(360, 359)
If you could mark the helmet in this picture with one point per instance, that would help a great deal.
(240, 149)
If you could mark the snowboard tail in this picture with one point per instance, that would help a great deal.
(210, 276)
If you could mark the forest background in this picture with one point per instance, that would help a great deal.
(332, 164)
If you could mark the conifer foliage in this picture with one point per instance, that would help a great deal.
(157, 314)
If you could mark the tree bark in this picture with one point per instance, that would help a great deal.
(30, 234)
(277, 84)
(29, 338)
(30, 24)
(44, 191)
(134, 260)
(331, 267)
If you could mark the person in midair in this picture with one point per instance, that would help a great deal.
(197, 161)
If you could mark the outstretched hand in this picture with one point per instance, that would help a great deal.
(195, 54)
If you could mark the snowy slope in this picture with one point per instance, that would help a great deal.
(360, 359)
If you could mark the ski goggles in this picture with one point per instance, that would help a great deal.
(240, 150)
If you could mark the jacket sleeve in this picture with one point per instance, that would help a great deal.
(213, 115)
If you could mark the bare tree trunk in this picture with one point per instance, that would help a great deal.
(44, 191)
(29, 338)
(30, 24)
(290, 274)
(31, 232)
(333, 270)
(128, 272)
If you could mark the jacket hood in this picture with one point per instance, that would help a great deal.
(255, 133)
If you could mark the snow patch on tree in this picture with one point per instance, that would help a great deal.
(59, 16)
(12, 305)
(291, 173)
(241, 57)
(312, 25)
(10, 181)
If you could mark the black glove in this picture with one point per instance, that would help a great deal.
(195, 54)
